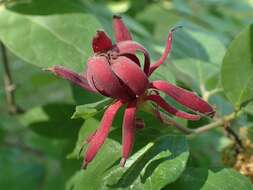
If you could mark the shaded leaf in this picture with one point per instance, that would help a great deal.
(52, 120)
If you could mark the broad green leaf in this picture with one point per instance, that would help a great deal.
(237, 68)
(201, 179)
(154, 166)
(45, 41)
(196, 71)
(52, 120)
(89, 110)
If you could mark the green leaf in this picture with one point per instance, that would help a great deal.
(89, 110)
(154, 166)
(201, 179)
(237, 68)
(45, 41)
(196, 71)
(52, 120)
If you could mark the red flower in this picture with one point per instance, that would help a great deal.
(115, 71)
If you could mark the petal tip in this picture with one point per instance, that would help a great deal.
(123, 162)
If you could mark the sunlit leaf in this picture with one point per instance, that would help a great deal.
(237, 68)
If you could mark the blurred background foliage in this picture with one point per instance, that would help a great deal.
(39, 145)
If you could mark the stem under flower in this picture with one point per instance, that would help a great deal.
(219, 122)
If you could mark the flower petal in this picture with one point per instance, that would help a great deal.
(99, 137)
(128, 131)
(130, 74)
(100, 75)
(101, 42)
(71, 76)
(131, 47)
(120, 30)
(163, 104)
(154, 66)
(184, 97)
(134, 58)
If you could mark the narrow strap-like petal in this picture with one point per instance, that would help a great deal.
(160, 61)
(99, 137)
(71, 76)
(131, 47)
(120, 30)
(130, 74)
(100, 75)
(128, 131)
(184, 97)
(163, 104)
(101, 42)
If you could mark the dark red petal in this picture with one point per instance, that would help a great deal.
(184, 97)
(130, 74)
(101, 42)
(165, 53)
(100, 75)
(134, 58)
(71, 76)
(163, 104)
(120, 30)
(131, 47)
(99, 137)
(128, 131)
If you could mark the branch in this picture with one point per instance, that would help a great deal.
(8, 83)
(204, 128)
